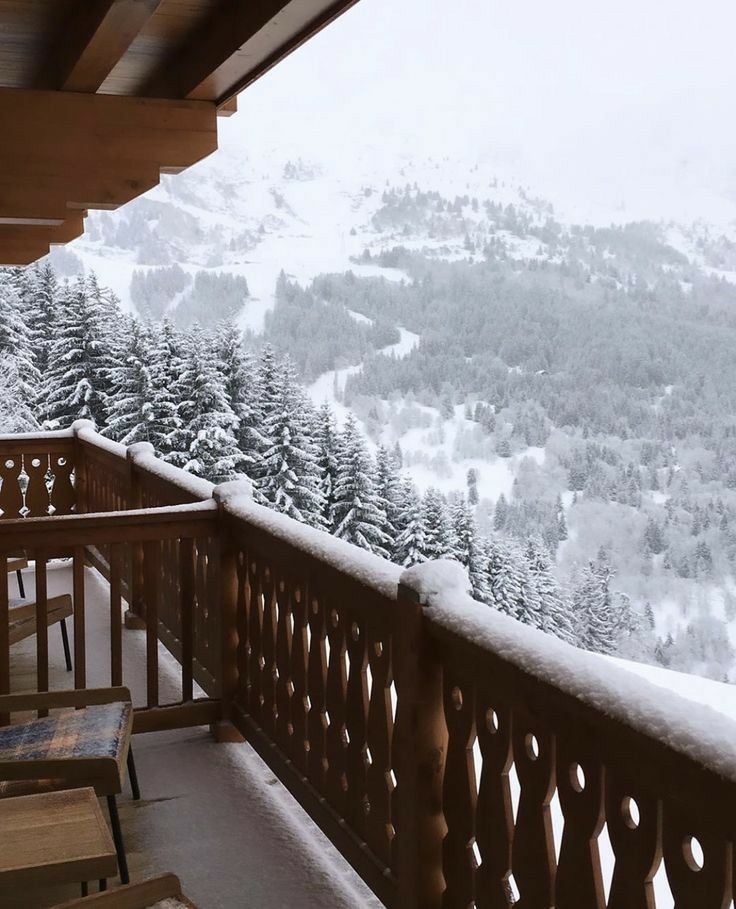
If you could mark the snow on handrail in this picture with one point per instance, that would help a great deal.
(40, 436)
(365, 567)
(85, 430)
(143, 456)
(699, 732)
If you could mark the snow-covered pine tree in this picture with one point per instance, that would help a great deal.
(505, 576)
(241, 387)
(41, 302)
(388, 489)
(439, 542)
(469, 549)
(164, 369)
(139, 410)
(326, 440)
(593, 613)
(288, 473)
(204, 443)
(22, 381)
(409, 546)
(359, 518)
(76, 382)
(555, 611)
(16, 413)
(500, 514)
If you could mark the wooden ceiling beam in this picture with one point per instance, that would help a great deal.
(232, 24)
(91, 42)
(92, 151)
(21, 245)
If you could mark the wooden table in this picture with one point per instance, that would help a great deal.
(54, 837)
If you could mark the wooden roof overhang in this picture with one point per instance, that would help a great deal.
(99, 97)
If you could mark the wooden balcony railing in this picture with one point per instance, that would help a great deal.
(431, 751)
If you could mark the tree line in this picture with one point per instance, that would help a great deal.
(220, 411)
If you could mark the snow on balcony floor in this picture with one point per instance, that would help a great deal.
(214, 814)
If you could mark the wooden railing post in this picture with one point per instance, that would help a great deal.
(80, 478)
(420, 751)
(227, 596)
(135, 616)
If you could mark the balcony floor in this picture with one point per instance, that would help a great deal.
(213, 814)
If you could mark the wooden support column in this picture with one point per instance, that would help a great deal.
(420, 749)
(135, 616)
(227, 604)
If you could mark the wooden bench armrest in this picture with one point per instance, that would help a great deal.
(133, 896)
(77, 697)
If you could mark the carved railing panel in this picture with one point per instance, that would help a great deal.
(314, 655)
(37, 478)
(496, 858)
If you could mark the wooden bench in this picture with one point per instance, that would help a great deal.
(165, 889)
(54, 837)
(22, 620)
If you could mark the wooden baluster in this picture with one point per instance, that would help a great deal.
(636, 842)
(494, 816)
(255, 639)
(11, 498)
(358, 807)
(152, 575)
(136, 616)
(299, 669)
(186, 598)
(116, 628)
(268, 636)
(283, 666)
(317, 680)
(80, 643)
(241, 619)
(533, 850)
(580, 787)
(459, 791)
(215, 620)
(37, 498)
(696, 881)
(201, 642)
(336, 736)
(4, 635)
(380, 780)
(419, 749)
(42, 626)
(65, 495)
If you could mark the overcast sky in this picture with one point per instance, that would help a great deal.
(610, 97)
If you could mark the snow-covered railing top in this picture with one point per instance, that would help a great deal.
(143, 456)
(49, 436)
(698, 732)
(369, 569)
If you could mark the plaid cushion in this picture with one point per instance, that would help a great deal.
(96, 731)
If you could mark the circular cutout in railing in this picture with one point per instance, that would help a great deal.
(630, 812)
(693, 854)
(577, 777)
(491, 721)
(532, 746)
